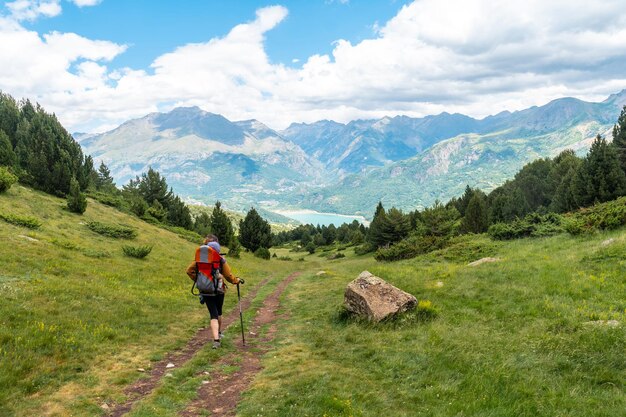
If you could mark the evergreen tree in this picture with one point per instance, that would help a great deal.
(221, 225)
(178, 213)
(395, 227)
(104, 180)
(619, 138)
(375, 235)
(202, 224)
(600, 177)
(152, 186)
(7, 155)
(157, 210)
(76, 201)
(254, 231)
(476, 218)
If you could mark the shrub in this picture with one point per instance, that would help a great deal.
(411, 247)
(532, 225)
(138, 252)
(108, 199)
(234, 249)
(113, 231)
(76, 201)
(310, 247)
(23, 221)
(262, 253)
(336, 256)
(285, 258)
(7, 179)
(605, 216)
(274, 255)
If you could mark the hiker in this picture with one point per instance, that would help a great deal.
(208, 258)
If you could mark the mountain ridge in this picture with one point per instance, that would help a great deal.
(329, 166)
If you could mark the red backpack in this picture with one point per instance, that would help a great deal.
(208, 277)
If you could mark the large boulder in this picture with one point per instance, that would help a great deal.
(372, 297)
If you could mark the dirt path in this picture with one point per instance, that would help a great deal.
(221, 394)
(145, 386)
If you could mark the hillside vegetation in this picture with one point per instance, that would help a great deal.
(527, 335)
(77, 316)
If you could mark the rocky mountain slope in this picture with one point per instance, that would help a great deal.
(346, 168)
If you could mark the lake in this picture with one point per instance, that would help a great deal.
(323, 219)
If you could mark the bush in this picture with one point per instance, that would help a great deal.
(411, 247)
(234, 249)
(285, 258)
(262, 253)
(138, 252)
(310, 247)
(533, 225)
(23, 221)
(7, 179)
(113, 231)
(76, 201)
(108, 199)
(336, 256)
(605, 216)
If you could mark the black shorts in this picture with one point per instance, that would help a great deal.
(214, 304)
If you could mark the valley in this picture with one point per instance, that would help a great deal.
(346, 168)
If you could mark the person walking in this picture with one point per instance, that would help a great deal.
(210, 263)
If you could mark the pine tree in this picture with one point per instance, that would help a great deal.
(152, 186)
(221, 225)
(76, 201)
(178, 213)
(396, 227)
(619, 138)
(7, 155)
(600, 177)
(375, 234)
(202, 224)
(476, 218)
(105, 180)
(254, 231)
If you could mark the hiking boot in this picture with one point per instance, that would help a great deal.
(216, 344)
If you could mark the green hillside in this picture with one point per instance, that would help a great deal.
(77, 316)
(518, 337)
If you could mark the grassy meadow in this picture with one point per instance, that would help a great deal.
(78, 317)
(510, 338)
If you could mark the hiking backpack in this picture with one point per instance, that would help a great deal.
(209, 279)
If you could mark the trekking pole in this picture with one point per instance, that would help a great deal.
(243, 338)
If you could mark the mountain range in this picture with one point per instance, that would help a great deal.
(345, 168)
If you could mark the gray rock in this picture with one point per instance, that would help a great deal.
(372, 297)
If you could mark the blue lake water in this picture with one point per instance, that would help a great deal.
(323, 219)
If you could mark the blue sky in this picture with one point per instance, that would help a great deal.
(98, 63)
(151, 28)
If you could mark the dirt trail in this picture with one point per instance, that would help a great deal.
(143, 387)
(221, 395)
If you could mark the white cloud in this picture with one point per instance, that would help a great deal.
(32, 9)
(472, 56)
(84, 3)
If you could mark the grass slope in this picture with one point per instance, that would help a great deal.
(77, 317)
(510, 338)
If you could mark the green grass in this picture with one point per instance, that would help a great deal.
(77, 317)
(509, 338)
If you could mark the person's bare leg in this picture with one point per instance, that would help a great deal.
(215, 329)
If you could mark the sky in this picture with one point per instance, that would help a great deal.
(98, 63)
